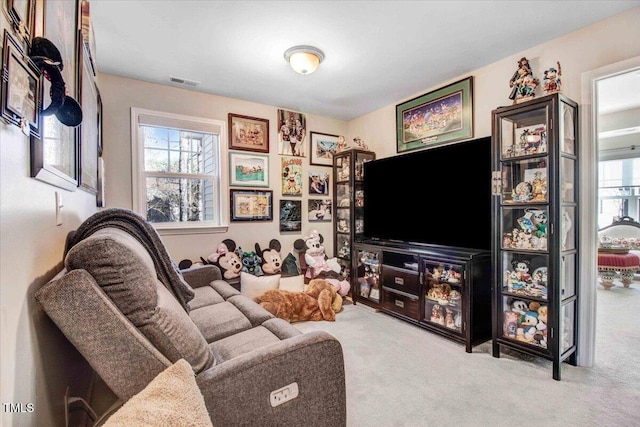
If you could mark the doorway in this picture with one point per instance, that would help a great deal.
(592, 83)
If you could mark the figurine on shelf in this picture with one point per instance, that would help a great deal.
(522, 83)
(552, 82)
(342, 144)
(360, 143)
(539, 187)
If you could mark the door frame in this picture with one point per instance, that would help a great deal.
(589, 204)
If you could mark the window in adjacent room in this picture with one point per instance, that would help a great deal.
(177, 171)
(619, 190)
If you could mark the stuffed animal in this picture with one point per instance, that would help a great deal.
(251, 263)
(315, 257)
(271, 261)
(318, 302)
(227, 261)
(222, 249)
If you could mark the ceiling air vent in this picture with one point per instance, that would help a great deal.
(185, 82)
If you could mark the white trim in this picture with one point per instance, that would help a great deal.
(137, 174)
(589, 202)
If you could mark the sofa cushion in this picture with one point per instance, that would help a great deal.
(254, 286)
(243, 342)
(204, 296)
(218, 321)
(124, 270)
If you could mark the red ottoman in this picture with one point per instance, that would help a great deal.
(611, 263)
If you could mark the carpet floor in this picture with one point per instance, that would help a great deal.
(398, 374)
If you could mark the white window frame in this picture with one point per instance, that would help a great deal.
(138, 175)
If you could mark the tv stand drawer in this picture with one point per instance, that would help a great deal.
(401, 303)
(401, 279)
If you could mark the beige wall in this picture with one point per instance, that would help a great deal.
(37, 363)
(121, 94)
(594, 46)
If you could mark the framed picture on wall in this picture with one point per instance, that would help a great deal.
(251, 205)
(291, 176)
(22, 16)
(441, 116)
(323, 147)
(319, 182)
(248, 133)
(54, 156)
(319, 210)
(292, 133)
(248, 170)
(290, 215)
(90, 134)
(21, 88)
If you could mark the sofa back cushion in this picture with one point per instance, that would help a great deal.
(125, 271)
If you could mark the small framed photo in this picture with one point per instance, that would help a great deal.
(251, 205)
(290, 215)
(323, 147)
(248, 133)
(21, 88)
(248, 170)
(319, 182)
(319, 210)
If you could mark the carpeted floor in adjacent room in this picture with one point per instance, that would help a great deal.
(400, 375)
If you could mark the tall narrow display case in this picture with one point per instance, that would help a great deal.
(348, 202)
(535, 257)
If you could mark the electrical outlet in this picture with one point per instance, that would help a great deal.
(284, 394)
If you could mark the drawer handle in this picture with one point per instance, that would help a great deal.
(399, 280)
(400, 303)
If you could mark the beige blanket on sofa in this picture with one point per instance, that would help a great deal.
(171, 399)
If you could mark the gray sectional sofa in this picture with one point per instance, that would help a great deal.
(131, 314)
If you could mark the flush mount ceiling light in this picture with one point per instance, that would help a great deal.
(304, 59)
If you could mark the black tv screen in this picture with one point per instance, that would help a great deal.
(439, 196)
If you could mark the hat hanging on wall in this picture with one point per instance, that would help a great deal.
(47, 57)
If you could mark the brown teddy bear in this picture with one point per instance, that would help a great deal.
(320, 301)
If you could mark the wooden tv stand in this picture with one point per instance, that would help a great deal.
(446, 290)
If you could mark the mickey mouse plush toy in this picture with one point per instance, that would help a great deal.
(271, 260)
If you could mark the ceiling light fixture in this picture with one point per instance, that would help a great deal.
(304, 59)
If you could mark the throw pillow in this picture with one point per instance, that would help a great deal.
(171, 399)
(253, 286)
(293, 283)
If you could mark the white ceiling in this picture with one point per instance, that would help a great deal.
(376, 52)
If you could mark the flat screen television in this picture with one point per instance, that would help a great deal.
(439, 196)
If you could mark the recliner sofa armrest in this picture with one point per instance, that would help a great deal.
(201, 275)
(237, 392)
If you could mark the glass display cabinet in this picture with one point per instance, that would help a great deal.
(535, 256)
(348, 202)
(367, 273)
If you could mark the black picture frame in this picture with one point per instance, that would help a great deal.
(21, 88)
(22, 18)
(54, 155)
(251, 205)
(90, 135)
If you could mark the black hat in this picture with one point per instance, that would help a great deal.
(47, 57)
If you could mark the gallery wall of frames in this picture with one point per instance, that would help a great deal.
(50, 90)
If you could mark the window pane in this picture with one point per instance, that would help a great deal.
(180, 200)
(177, 151)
